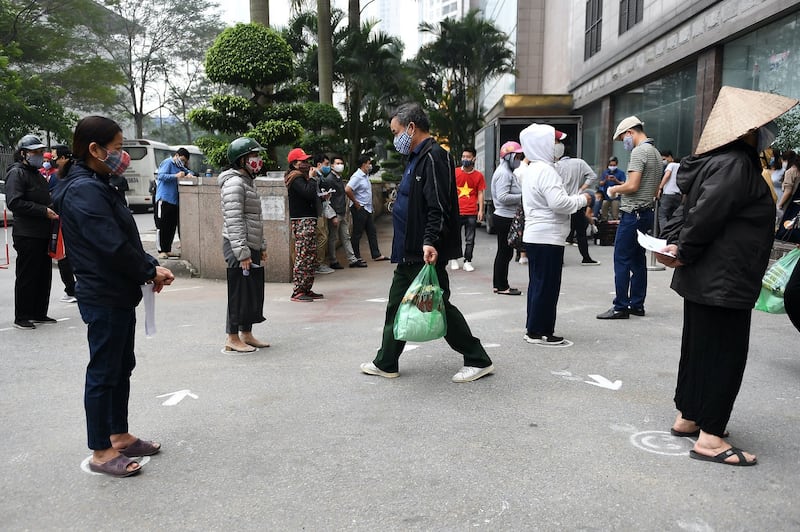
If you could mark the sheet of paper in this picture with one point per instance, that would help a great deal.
(149, 299)
(652, 243)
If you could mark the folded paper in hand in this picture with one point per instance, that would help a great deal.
(651, 243)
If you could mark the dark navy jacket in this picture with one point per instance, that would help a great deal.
(102, 241)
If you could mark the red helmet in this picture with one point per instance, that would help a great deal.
(510, 147)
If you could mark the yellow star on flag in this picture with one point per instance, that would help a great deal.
(465, 191)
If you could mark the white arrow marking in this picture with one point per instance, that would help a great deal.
(176, 397)
(604, 383)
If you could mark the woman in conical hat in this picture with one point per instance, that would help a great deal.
(719, 243)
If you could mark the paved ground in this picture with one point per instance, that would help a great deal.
(294, 437)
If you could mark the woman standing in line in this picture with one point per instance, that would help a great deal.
(506, 197)
(111, 266)
(304, 205)
(243, 244)
(548, 209)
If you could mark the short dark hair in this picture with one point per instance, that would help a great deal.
(183, 152)
(614, 158)
(337, 156)
(667, 153)
(470, 149)
(62, 150)
(320, 157)
(363, 158)
(412, 112)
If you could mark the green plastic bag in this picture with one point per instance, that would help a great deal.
(774, 283)
(420, 317)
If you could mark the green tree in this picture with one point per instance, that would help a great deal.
(149, 39)
(788, 131)
(464, 55)
(251, 57)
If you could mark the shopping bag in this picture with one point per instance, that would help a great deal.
(774, 283)
(516, 229)
(55, 247)
(420, 317)
(246, 295)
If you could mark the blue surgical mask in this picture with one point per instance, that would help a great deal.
(46, 165)
(325, 170)
(627, 142)
(402, 143)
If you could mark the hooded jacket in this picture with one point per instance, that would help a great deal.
(28, 196)
(546, 203)
(103, 241)
(724, 228)
(506, 192)
(241, 213)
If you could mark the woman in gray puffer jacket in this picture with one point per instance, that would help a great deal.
(243, 243)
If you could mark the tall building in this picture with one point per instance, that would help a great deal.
(433, 11)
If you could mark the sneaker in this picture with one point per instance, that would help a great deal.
(336, 266)
(470, 373)
(24, 324)
(454, 264)
(371, 369)
(468, 267)
(44, 319)
(550, 340)
(590, 262)
(301, 297)
(66, 298)
(323, 269)
(358, 264)
(314, 295)
(523, 260)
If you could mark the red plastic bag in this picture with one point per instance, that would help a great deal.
(56, 246)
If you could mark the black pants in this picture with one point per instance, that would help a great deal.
(713, 357)
(469, 223)
(458, 336)
(227, 252)
(362, 220)
(67, 276)
(791, 297)
(504, 252)
(167, 225)
(34, 275)
(578, 224)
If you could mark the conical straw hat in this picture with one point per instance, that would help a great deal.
(738, 111)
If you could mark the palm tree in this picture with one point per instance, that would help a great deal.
(259, 12)
(325, 47)
(465, 54)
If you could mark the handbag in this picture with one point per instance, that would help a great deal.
(420, 317)
(516, 229)
(246, 295)
(55, 247)
(774, 283)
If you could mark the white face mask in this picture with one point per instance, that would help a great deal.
(612, 168)
(338, 168)
(558, 151)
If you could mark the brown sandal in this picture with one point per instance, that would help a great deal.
(116, 467)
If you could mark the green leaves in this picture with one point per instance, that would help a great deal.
(250, 55)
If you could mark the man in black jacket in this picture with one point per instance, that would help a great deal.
(426, 231)
(28, 197)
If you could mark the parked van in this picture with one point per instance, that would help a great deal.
(146, 155)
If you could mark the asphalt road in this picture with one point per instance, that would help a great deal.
(294, 437)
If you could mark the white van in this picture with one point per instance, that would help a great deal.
(146, 155)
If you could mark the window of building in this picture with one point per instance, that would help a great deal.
(594, 24)
(630, 14)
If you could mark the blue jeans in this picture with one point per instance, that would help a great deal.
(545, 263)
(108, 375)
(630, 260)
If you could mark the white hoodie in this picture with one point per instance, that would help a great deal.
(546, 204)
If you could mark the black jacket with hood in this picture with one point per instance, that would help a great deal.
(433, 206)
(102, 240)
(723, 229)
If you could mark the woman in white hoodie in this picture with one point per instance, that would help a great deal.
(547, 209)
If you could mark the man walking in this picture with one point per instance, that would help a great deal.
(170, 171)
(471, 186)
(425, 219)
(638, 192)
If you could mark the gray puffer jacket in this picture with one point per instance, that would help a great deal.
(241, 213)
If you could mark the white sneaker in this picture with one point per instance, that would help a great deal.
(471, 373)
(371, 369)
(468, 266)
(454, 264)
(523, 260)
(323, 269)
(66, 298)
